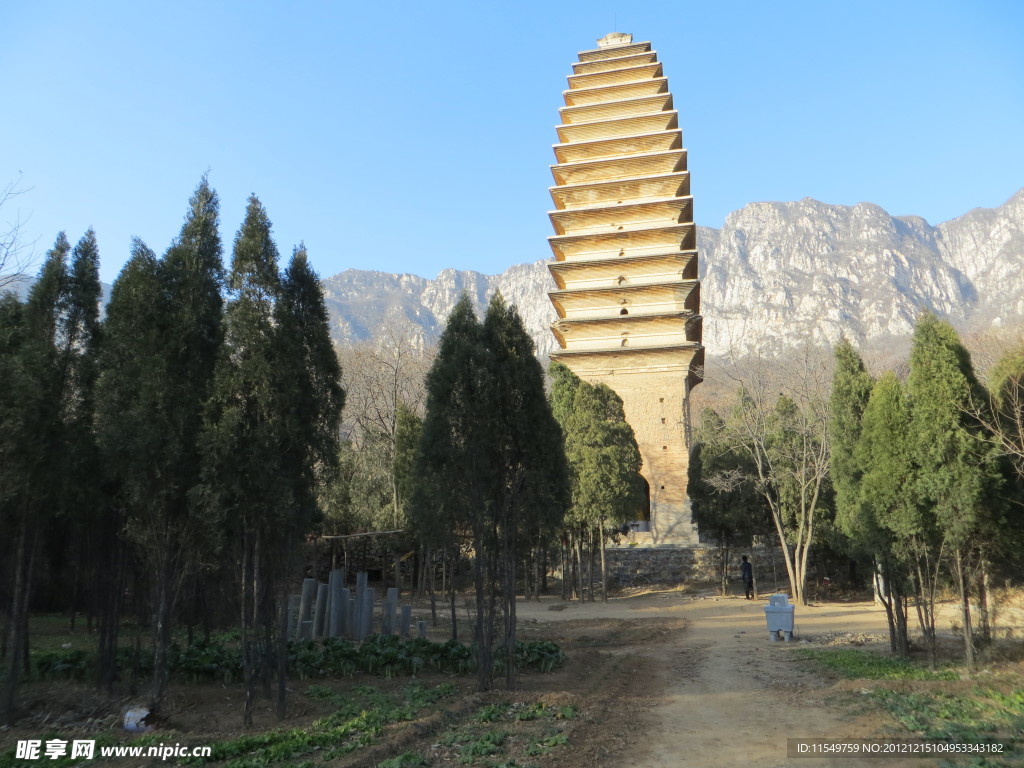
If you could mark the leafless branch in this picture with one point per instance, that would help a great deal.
(16, 256)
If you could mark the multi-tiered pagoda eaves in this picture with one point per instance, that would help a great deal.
(625, 248)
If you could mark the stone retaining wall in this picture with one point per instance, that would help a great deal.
(695, 565)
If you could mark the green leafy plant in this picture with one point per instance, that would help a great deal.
(489, 743)
(491, 713)
(360, 718)
(867, 665)
(545, 745)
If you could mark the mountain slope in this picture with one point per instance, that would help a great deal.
(774, 275)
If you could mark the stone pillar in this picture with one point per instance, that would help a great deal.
(320, 614)
(403, 624)
(366, 627)
(390, 608)
(336, 588)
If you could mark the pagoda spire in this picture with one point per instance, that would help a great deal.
(625, 261)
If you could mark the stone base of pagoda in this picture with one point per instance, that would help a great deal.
(655, 403)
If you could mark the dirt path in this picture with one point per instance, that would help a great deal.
(728, 695)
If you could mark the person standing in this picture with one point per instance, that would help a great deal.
(747, 574)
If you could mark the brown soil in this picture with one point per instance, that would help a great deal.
(659, 680)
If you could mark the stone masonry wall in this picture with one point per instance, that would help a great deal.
(692, 565)
(654, 406)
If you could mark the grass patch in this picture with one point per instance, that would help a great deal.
(983, 716)
(866, 665)
(533, 734)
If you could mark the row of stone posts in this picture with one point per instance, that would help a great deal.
(333, 610)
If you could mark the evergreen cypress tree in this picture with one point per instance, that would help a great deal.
(957, 472)
(408, 430)
(130, 433)
(1006, 422)
(456, 465)
(309, 403)
(490, 466)
(314, 397)
(856, 519)
(15, 428)
(531, 490)
(246, 479)
(851, 388)
(35, 492)
(73, 545)
(455, 426)
(165, 336)
(603, 456)
(884, 519)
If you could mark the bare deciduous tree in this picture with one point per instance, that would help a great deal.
(16, 256)
(780, 419)
(380, 376)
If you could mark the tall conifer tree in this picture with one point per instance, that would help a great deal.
(165, 336)
(455, 464)
(491, 466)
(851, 388)
(956, 470)
(883, 519)
(603, 457)
(245, 474)
(130, 432)
(309, 403)
(532, 489)
(59, 328)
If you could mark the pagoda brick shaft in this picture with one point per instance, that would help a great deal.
(628, 299)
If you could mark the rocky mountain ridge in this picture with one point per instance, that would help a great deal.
(775, 275)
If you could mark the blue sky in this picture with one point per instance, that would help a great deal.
(410, 137)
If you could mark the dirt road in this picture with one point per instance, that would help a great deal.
(728, 696)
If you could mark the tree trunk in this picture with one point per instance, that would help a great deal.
(902, 635)
(538, 564)
(723, 567)
(282, 656)
(563, 555)
(788, 558)
(510, 557)
(18, 634)
(884, 598)
(161, 635)
(578, 568)
(451, 595)
(925, 606)
(483, 649)
(590, 566)
(604, 569)
(543, 569)
(960, 571)
(432, 575)
(985, 604)
(248, 656)
(109, 589)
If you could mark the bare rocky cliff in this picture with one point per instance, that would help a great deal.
(776, 274)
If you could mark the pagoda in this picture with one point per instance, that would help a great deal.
(625, 248)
